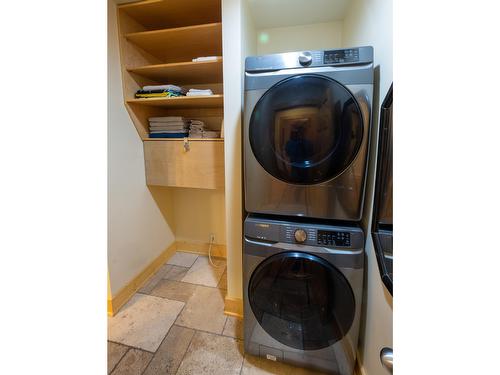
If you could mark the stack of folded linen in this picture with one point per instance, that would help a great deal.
(199, 92)
(160, 91)
(168, 127)
(196, 129)
(211, 134)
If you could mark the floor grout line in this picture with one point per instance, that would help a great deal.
(156, 351)
(117, 363)
(132, 347)
(187, 350)
(145, 368)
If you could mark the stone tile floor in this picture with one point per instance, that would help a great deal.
(175, 324)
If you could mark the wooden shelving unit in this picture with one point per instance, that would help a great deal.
(182, 139)
(158, 40)
(181, 102)
(180, 44)
(154, 14)
(182, 72)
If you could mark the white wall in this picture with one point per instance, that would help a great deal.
(369, 22)
(137, 230)
(197, 214)
(297, 38)
(232, 69)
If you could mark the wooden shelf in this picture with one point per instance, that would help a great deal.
(154, 14)
(183, 72)
(181, 101)
(182, 139)
(182, 43)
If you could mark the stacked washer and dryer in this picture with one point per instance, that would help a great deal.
(306, 135)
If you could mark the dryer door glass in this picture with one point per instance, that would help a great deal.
(301, 300)
(306, 129)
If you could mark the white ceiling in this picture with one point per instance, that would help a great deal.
(281, 13)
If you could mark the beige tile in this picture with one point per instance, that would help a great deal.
(175, 273)
(155, 279)
(203, 273)
(169, 355)
(211, 354)
(182, 259)
(233, 328)
(144, 321)
(175, 290)
(204, 311)
(223, 281)
(133, 363)
(253, 365)
(115, 353)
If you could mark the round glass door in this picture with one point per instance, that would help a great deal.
(301, 300)
(306, 129)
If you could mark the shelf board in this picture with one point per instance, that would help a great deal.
(156, 14)
(183, 72)
(182, 43)
(181, 101)
(182, 139)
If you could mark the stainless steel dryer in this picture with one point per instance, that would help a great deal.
(303, 287)
(306, 132)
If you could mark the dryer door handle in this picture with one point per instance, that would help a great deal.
(386, 358)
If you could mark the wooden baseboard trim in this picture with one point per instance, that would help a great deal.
(233, 307)
(137, 282)
(110, 307)
(218, 250)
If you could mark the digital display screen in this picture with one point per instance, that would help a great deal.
(341, 56)
(330, 238)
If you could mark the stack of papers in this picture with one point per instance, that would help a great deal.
(211, 134)
(168, 127)
(205, 58)
(199, 92)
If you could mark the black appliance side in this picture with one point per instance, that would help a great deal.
(382, 229)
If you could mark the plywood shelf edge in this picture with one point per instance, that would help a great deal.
(141, 34)
(181, 101)
(182, 139)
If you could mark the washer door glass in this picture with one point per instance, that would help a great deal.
(306, 129)
(301, 300)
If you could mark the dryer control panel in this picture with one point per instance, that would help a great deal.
(309, 59)
(340, 56)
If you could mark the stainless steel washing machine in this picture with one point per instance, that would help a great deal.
(303, 286)
(306, 132)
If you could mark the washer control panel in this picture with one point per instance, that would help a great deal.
(333, 238)
(271, 231)
(311, 236)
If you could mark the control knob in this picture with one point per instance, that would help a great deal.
(300, 235)
(305, 58)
